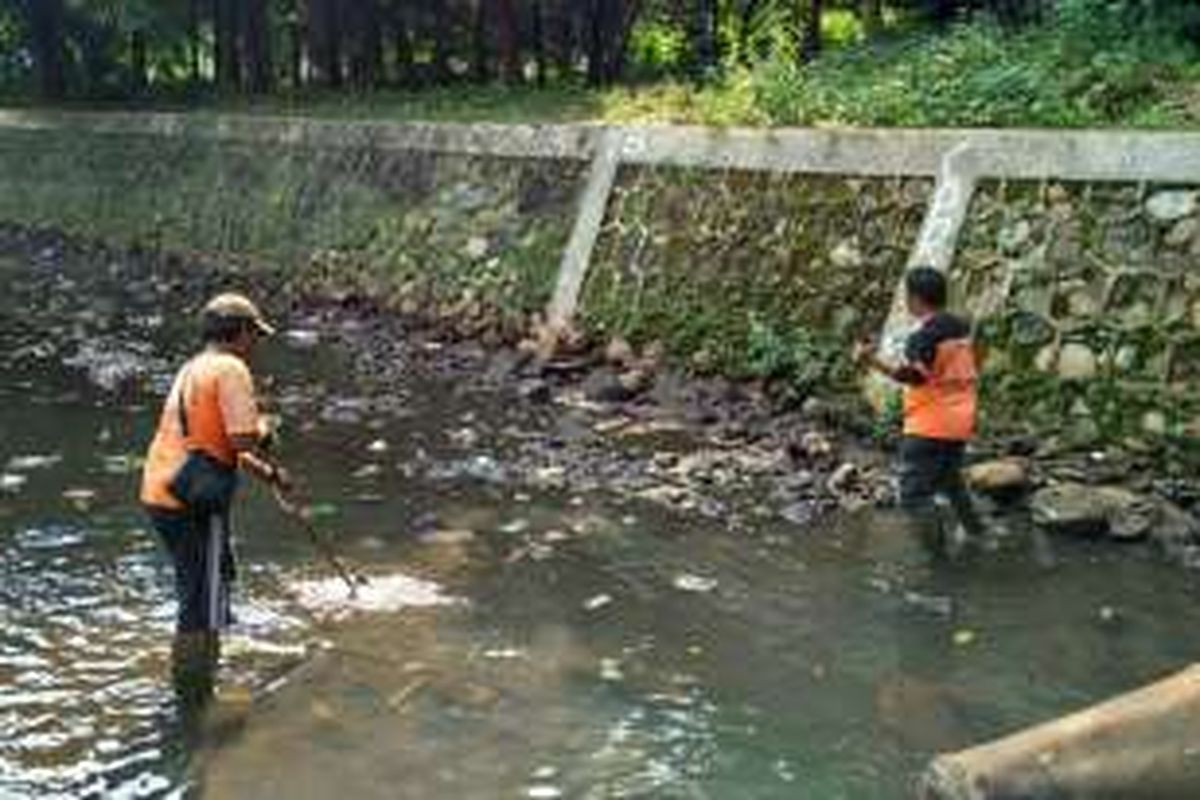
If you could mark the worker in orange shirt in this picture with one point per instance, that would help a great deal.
(939, 377)
(209, 430)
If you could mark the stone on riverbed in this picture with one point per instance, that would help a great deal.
(619, 352)
(606, 386)
(1002, 478)
(1078, 509)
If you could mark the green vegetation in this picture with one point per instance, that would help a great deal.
(752, 275)
(1059, 63)
(486, 234)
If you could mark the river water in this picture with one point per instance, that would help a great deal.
(596, 645)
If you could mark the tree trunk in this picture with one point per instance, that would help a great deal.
(872, 15)
(194, 44)
(479, 44)
(507, 36)
(810, 44)
(539, 41)
(596, 72)
(442, 31)
(257, 37)
(365, 43)
(46, 27)
(943, 12)
(295, 62)
(564, 26)
(402, 37)
(705, 36)
(325, 42)
(137, 62)
(228, 59)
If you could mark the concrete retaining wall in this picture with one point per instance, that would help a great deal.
(956, 163)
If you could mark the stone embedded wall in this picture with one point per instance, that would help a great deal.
(751, 272)
(1087, 298)
(750, 252)
(416, 226)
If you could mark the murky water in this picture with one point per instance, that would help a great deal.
(596, 645)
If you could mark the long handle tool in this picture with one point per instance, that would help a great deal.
(304, 519)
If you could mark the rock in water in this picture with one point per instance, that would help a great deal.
(843, 479)
(1177, 531)
(1005, 477)
(619, 352)
(1171, 206)
(1074, 508)
(607, 387)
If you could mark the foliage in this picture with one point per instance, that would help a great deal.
(1031, 62)
(976, 75)
(801, 359)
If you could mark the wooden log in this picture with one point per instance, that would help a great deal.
(1144, 745)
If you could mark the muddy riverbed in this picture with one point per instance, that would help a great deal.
(673, 596)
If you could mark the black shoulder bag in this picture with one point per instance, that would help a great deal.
(203, 483)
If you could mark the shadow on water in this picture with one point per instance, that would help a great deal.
(603, 646)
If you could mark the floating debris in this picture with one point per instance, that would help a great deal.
(123, 464)
(33, 462)
(543, 792)
(378, 446)
(503, 654)
(598, 602)
(610, 670)
(302, 339)
(80, 498)
(448, 537)
(515, 527)
(367, 471)
(11, 482)
(694, 583)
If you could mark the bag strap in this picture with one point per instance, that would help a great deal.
(181, 401)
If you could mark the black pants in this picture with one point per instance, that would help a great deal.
(930, 468)
(201, 552)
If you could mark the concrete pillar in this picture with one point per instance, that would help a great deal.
(935, 247)
(592, 206)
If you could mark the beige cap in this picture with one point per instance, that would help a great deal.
(238, 306)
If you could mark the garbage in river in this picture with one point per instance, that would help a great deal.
(383, 594)
(31, 463)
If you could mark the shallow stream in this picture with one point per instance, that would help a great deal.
(599, 645)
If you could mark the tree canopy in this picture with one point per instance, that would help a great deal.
(127, 48)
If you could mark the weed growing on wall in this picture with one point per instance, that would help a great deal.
(755, 275)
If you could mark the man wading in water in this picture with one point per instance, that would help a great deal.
(209, 428)
(939, 377)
